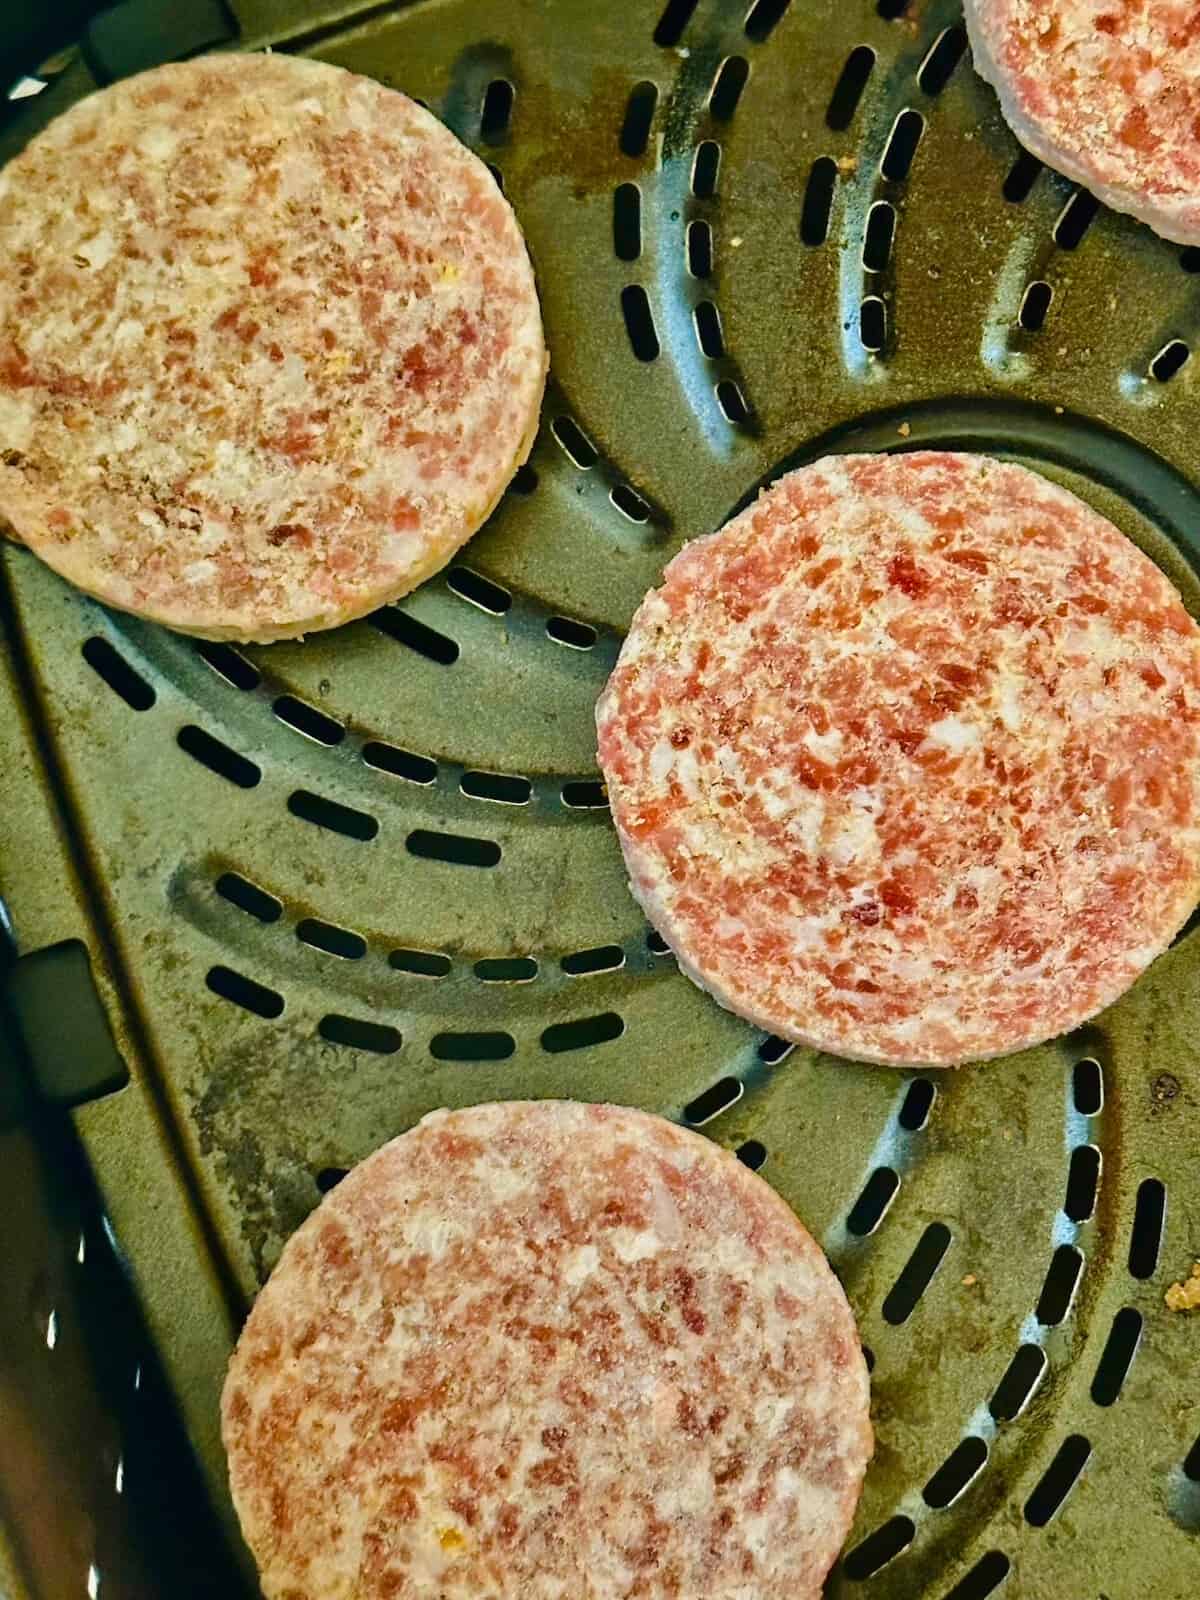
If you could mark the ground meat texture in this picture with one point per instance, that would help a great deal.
(548, 1351)
(1106, 91)
(270, 347)
(905, 759)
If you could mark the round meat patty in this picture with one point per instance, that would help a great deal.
(270, 346)
(905, 759)
(548, 1351)
(1106, 91)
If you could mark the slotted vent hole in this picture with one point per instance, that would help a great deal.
(229, 664)
(657, 945)
(889, 10)
(718, 1097)
(418, 637)
(699, 248)
(479, 591)
(306, 719)
(1021, 177)
(218, 757)
(1059, 1478)
(575, 442)
(878, 236)
(917, 1104)
(1170, 359)
(400, 763)
(496, 116)
(495, 1046)
(354, 1033)
(627, 222)
(583, 1032)
(604, 958)
(708, 330)
(917, 1274)
(1123, 1339)
(773, 1050)
(454, 848)
(330, 815)
(244, 992)
(752, 1154)
(248, 897)
(524, 479)
(944, 55)
(1191, 1464)
(869, 1209)
(334, 941)
(1075, 219)
(329, 1177)
(1189, 258)
(727, 87)
(639, 117)
(763, 17)
(496, 174)
(959, 1470)
(506, 788)
(873, 324)
(639, 322)
(1058, 1291)
(732, 402)
(587, 794)
(507, 969)
(1087, 1087)
(984, 1578)
(420, 963)
(848, 90)
(574, 634)
(1083, 1181)
(1035, 303)
(888, 1541)
(112, 668)
(902, 146)
(705, 169)
(818, 201)
(1148, 1217)
(1016, 1388)
(674, 19)
(629, 503)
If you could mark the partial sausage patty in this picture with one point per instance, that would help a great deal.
(548, 1351)
(905, 759)
(270, 346)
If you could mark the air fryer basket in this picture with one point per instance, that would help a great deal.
(269, 906)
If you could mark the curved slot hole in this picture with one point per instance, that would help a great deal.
(1022, 176)
(604, 958)
(945, 53)
(848, 90)
(581, 1033)
(818, 201)
(705, 169)
(507, 788)
(306, 719)
(1075, 219)
(507, 969)
(727, 87)
(1169, 360)
(323, 813)
(1191, 1464)
(984, 1578)
(959, 1470)
(229, 664)
(1058, 1291)
(627, 222)
(116, 672)
(420, 963)
(902, 146)
(878, 236)
(918, 1103)
(472, 1046)
(1087, 1087)
(873, 324)
(708, 330)
(496, 117)
(576, 635)
(763, 17)
(406, 630)
(732, 402)
(329, 1177)
(1083, 1180)
(639, 116)
(773, 1050)
(1059, 1478)
(248, 897)
(1123, 1339)
(575, 442)
(675, 18)
(1148, 1217)
(629, 502)
(454, 848)
(218, 757)
(752, 1154)
(244, 992)
(1035, 303)
(479, 591)
(334, 941)
(878, 1548)
(639, 322)
(917, 1274)
(1015, 1389)
(586, 794)
(657, 945)
(355, 1034)
(400, 763)
(716, 1098)
(869, 1209)
(699, 248)
(524, 479)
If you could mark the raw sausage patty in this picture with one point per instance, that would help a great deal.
(270, 346)
(905, 759)
(1107, 91)
(548, 1351)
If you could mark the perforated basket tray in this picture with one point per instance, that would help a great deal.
(272, 905)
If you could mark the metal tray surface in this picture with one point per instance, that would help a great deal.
(271, 905)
